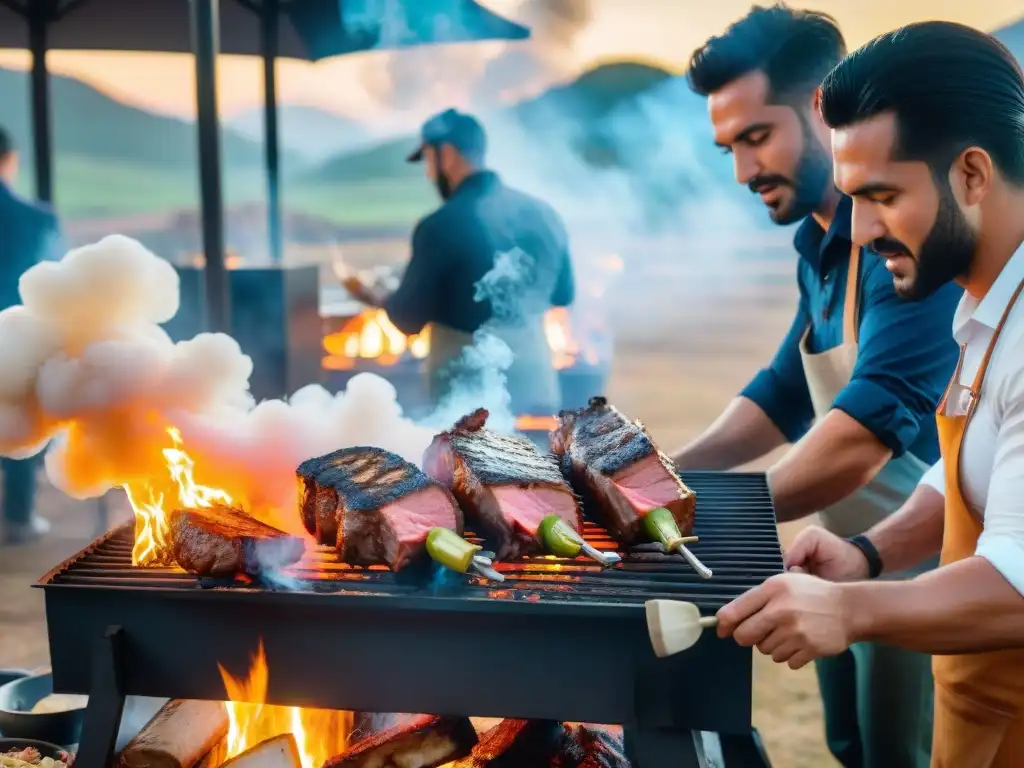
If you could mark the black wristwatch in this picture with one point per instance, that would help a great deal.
(863, 543)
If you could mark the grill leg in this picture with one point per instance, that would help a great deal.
(106, 703)
(663, 748)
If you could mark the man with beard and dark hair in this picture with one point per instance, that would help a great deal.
(857, 378)
(928, 139)
(453, 249)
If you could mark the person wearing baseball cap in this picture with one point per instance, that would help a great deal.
(456, 246)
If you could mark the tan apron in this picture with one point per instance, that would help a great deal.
(979, 697)
(827, 375)
(531, 379)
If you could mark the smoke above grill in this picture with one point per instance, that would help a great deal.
(85, 364)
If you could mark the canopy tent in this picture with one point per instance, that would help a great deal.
(300, 29)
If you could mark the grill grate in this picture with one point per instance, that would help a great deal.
(734, 520)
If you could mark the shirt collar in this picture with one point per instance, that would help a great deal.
(811, 241)
(989, 310)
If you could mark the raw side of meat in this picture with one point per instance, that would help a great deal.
(373, 506)
(504, 483)
(622, 475)
(222, 541)
(426, 741)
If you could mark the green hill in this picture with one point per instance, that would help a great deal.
(568, 108)
(88, 123)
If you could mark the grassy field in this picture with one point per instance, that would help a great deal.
(86, 188)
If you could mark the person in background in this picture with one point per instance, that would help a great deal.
(453, 249)
(856, 379)
(29, 233)
(928, 137)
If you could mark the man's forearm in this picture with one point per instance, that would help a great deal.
(966, 607)
(743, 433)
(913, 534)
(837, 457)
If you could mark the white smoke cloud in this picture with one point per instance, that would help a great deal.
(85, 364)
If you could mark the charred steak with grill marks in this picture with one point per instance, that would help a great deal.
(373, 505)
(618, 469)
(504, 483)
(222, 541)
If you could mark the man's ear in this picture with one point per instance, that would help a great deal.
(971, 176)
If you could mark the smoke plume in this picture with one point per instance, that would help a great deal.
(85, 367)
(482, 75)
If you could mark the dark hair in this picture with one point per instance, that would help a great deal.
(949, 86)
(6, 143)
(794, 48)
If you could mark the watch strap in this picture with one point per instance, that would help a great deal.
(863, 543)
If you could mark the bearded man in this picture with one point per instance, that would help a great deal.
(855, 382)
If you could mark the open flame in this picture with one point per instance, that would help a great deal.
(372, 336)
(148, 502)
(319, 733)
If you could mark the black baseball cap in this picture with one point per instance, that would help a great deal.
(462, 131)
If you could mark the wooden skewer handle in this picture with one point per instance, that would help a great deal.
(707, 622)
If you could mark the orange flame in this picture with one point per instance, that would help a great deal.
(319, 733)
(147, 499)
(371, 335)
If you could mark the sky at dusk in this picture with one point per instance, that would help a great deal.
(661, 30)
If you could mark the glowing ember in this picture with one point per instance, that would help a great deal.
(151, 514)
(319, 733)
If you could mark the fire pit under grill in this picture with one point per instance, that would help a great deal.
(559, 639)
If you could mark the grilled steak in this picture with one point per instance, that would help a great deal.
(613, 463)
(373, 505)
(504, 483)
(426, 741)
(222, 541)
(516, 743)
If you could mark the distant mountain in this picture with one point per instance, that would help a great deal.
(1013, 38)
(88, 123)
(308, 133)
(569, 111)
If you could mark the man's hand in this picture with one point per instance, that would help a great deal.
(793, 617)
(821, 553)
(362, 292)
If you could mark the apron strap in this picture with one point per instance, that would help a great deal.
(851, 309)
(980, 377)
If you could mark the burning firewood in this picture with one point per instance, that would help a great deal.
(178, 736)
(373, 505)
(276, 752)
(515, 743)
(221, 541)
(426, 741)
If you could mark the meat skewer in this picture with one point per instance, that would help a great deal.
(507, 487)
(622, 474)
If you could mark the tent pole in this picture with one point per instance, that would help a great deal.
(205, 44)
(269, 28)
(42, 130)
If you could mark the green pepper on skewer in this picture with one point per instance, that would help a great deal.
(452, 551)
(559, 538)
(661, 527)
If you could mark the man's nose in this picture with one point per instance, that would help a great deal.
(866, 225)
(745, 165)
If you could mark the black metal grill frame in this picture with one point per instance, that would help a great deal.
(537, 646)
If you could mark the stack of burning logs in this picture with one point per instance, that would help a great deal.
(194, 734)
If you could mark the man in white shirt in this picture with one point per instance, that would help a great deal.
(928, 139)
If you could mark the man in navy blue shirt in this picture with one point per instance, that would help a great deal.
(856, 381)
(28, 234)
